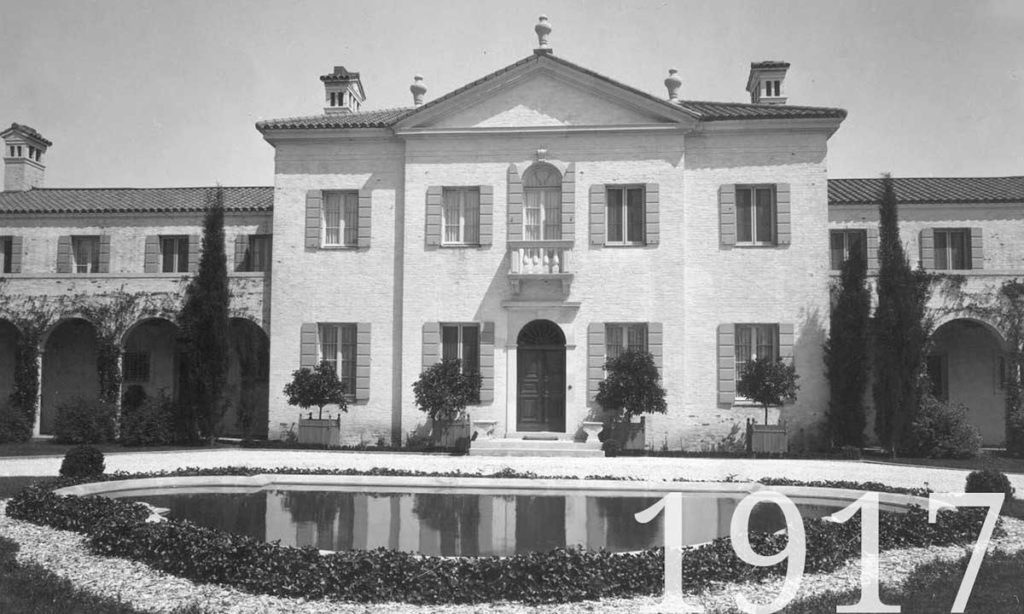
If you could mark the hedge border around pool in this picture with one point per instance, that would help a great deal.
(118, 528)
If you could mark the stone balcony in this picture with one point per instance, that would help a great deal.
(540, 264)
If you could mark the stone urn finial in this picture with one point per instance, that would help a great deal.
(543, 28)
(418, 89)
(673, 83)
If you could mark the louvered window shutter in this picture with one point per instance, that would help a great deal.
(977, 248)
(515, 204)
(487, 362)
(365, 216)
(597, 214)
(152, 258)
(314, 206)
(655, 345)
(241, 251)
(652, 230)
(786, 338)
(595, 358)
(17, 246)
(872, 249)
(486, 215)
(431, 344)
(726, 364)
(569, 203)
(64, 254)
(104, 254)
(195, 245)
(362, 361)
(783, 227)
(727, 214)
(307, 345)
(434, 193)
(927, 239)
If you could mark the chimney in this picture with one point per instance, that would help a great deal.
(765, 82)
(673, 83)
(418, 89)
(543, 29)
(23, 158)
(343, 91)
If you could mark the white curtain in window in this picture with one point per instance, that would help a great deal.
(637, 338)
(532, 213)
(552, 214)
(329, 344)
(744, 343)
(351, 219)
(613, 341)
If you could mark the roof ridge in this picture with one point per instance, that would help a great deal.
(196, 187)
(926, 178)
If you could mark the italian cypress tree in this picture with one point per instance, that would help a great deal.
(901, 329)
(846, 355)
(204, 330)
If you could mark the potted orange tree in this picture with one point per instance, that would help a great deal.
(318, 387)
(769, 382)
(630, 388)
(443, 391)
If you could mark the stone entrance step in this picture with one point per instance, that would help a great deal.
(533, 447)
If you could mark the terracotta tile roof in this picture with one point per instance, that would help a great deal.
(132, 200)
(29, 130)
(704, 111)
(929, 190)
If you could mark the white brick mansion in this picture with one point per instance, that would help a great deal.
(532, 223)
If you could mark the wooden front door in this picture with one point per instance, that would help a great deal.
(541, 390)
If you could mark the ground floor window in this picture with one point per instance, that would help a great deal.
(462, 341)
(755, 341)
(622, 337)
(338, 349)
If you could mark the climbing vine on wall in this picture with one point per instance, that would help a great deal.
(110, 313)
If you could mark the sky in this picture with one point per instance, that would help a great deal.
(144, 93)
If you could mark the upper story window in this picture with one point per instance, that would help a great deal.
(340, 219)
(338, 349)
(625, 215)
(953, 249)
(257, 253)
(755, 215)
(755, 341)
(85, 254)
(619, 338)
(6, 254)
(462, 341)
(174, 254)
(846, 244)
(460, 216)
(542, 203)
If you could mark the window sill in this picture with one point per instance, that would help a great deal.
(617, 245)
(460, 246)
(756, 245)
(334, 248)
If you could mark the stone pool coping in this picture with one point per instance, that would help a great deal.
(469, 485)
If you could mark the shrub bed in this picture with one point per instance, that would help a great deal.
(117, 528)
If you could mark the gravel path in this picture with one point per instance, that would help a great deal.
(65, 554)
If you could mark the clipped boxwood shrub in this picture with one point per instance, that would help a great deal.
(989, 480)
(942, 430)
(14, 425)
(82, 461)
(564, 574)
(151, 423)
(85, 421)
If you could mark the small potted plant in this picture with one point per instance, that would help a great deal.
(318, 387)
(443, 391)
(769, 382)
(630, 388)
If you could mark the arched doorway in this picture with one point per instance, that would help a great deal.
(967, 364)
(8, 352)
(150, 358)
(69, 369)
(540, 396)
(248, 383)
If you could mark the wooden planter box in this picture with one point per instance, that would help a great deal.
(767, 438)
(326, 432)
(630, 435)
(455, 434)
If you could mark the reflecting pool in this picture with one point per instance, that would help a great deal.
(457, 523)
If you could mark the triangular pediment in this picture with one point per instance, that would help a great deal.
(544, 93)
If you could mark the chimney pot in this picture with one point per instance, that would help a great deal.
(418, 89)
(765, 82)
(673, 83)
